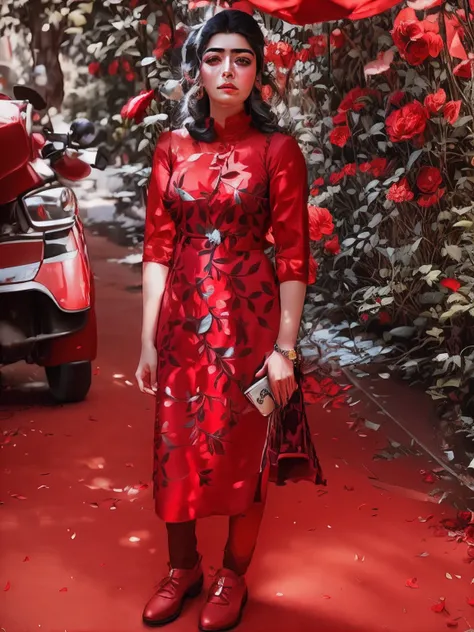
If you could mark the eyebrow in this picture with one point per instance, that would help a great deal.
(237, 51)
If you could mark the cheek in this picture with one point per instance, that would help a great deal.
(208, 76)
(247, 78)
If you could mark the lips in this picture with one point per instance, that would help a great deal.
(227, 86)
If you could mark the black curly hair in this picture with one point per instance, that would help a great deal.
(194, 112)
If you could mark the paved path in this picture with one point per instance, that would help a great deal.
(81, 548)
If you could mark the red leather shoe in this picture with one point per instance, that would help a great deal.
(167, 603)
(225, 603)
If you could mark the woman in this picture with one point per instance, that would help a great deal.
(215, 311)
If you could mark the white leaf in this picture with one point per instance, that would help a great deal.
(455, 252)
(205, 324)
(143, 143)
(146, 61)
(375, 221)
(154, 118)
(184, 195)
(403, 331)
(375, 129)
(413, 158)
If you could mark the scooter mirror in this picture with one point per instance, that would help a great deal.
(83, 132)
(23, 93)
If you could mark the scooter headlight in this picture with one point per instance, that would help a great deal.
(51, 208)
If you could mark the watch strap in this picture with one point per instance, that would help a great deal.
(291, 354)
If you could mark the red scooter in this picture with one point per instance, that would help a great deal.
(47, 312)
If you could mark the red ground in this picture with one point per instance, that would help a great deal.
(334, 560)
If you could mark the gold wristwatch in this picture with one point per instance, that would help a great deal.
(291, 354)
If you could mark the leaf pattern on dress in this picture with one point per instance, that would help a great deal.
(219, 317)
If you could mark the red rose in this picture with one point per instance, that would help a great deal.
(378, 166)
(435, 43)
(180, 36)
(407, 122)
(417, 52)
(400, 192)
(451, 111)
(464, 69)
(163, 43)
(136, 107)
(281, 54)
(340, 135)
(338, 39)
(319, 182)
(113, 67)
(451, 284)
(318, 45)
(304, 55)
(429, 179)
(415, 40)
(336, 177)
(94, 68)
(384, 318)
(434, 102)
(350, 169)
(396, 98)
(320, 223)
(356, 99)
(340, 118)
(313, 270)
(332, 246)
(365, 167)
(430, 199)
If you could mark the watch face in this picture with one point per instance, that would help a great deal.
(292, 354)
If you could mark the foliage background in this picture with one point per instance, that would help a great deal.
(383, 110)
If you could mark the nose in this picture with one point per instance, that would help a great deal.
(227, 70)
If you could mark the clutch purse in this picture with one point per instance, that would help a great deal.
(261, 396)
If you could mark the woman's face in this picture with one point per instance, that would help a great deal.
(228, 70)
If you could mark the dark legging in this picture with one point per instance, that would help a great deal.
(238, 552)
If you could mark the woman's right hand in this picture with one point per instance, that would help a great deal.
(146, 371)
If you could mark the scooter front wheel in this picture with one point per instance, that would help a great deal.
(69, 382)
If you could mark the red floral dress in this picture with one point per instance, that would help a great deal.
(210, 206)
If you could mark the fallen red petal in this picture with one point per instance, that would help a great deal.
(63, 589)
(452, 623)
(7, 586)
(326, 596)
(411, 583)
(27, 559)
(439, 607)
(470, 601)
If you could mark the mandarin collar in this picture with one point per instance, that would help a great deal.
(235, 126)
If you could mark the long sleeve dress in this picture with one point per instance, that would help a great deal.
(210, 206)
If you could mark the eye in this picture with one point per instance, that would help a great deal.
(243, 61)
(212, 61)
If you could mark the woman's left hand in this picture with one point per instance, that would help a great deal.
(281, 375)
